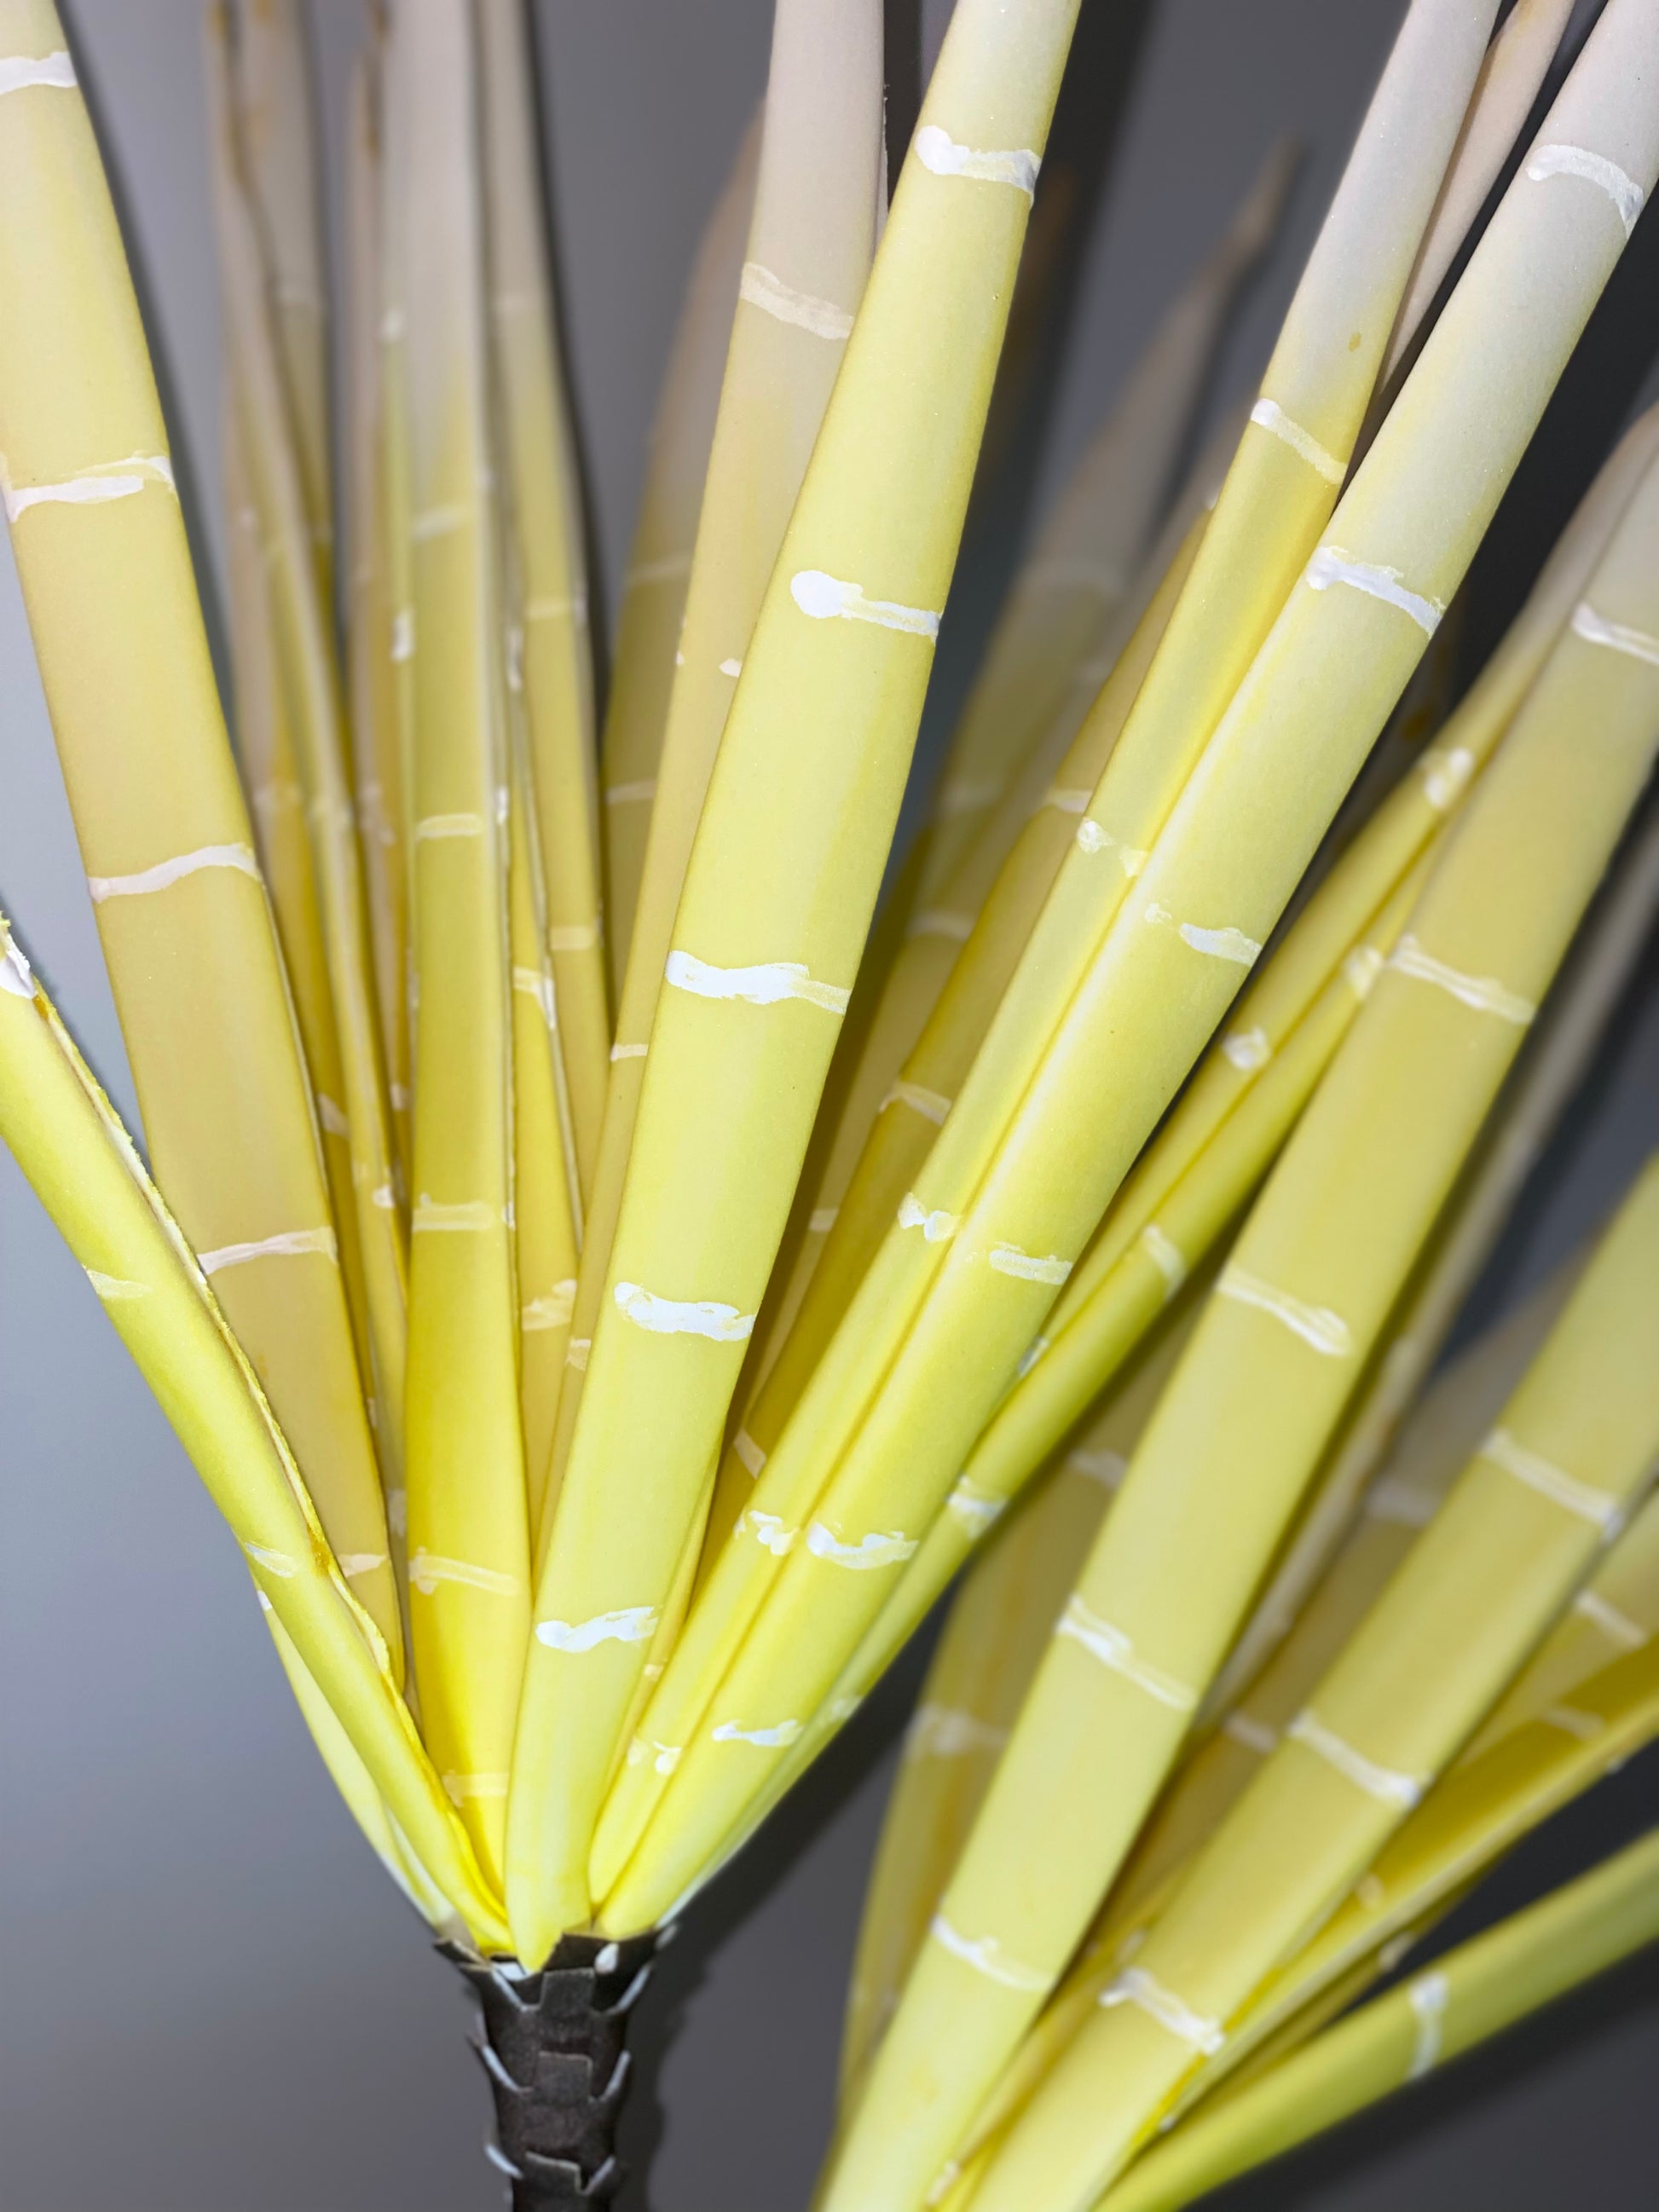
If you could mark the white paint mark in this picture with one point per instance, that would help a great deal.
(977, 1511)
(1219, 943)
(576, 1352)
(332, 1117)
(1135, 1986)
(769, 983)
(629, 1052)
(467, 1217)
(1484, 993)
(434, 829)
(112, 1289)
(16, 976)
(663, 1758)
(353, 1563)
(1103, 1466)
(1618, 1626)
(766, 291)
(776, 1738)
(1331, 565)
(437, 522)
(1092, 838)
(769, 1530)
(937, 1227)
(1167, 1256)
(1250, 1735)
(940, 921)
(944, 156)
(574, 937)
(721, 1324)
(1360, 969)
(946, 1732)
(1606, 176)
(1583, 1728)
(731, 666)
(1066, 798)
(554, 1309)
(573, 608)
(749, 1452)
(930, 1105)
(630, 1624)
(661, 571)
(986, 1956)
(20, 72)
(1385, 1783)
(1427, 1996)
(1246, 1050)
(531, 983)
(1446, 774)
(632, 795)
(1026, 1267)
(1028, 1358)
(1400, 1504)
(403, 634)
(274, 1562)
(459, 1788)
(1597, 630)
(1327, 1331)
(822, 1219)
(824, 598)
(288, 1244)
(1562, 1489)
(970, 794)
(1269, 415)
(385, 1197)
(239, 858)
(1112, 1648)
(93, 487)
(427, 1570)
(875, 1550)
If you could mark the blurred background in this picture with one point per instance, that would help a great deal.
(209, 1994)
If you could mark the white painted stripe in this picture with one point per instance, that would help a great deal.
(1399, 1505)
(1427, 1996)
(427, 1570)
(1597, 630)
(576, 1352)
(1269, 415)
(632, 795)
(629, 1052)
(1092, 838)
(239, 858)
(1113, 1649)
(976, 1511)
(663, 1757)
(826, 597)
(1484, 993)
(733, 667)
(274, 1562)
(721, 1324)
(822, 1219)
(770, 1531)
(749, 1452)
(331, 1117)
(1325, 1331)
(1102, 1466)
(769, 983)
(940, 921)
(1167, 1256)
(631, 1624)
(1331, 565)
(986, 1956)
(16, 976)
(937, 1227)
(970, 794)
(1618, 1626)
(437, 522)
(1583, 1728)
(1385, 1783)
(937, 151)
(764, 290)
(1135, 1986)
(291, 1243)
(113, 1289)
(1560, 160)
(1599, 1506)
(533, 984)
(574, 936)
(435, 828)
(1360, 969)
(1446, 774)
(928, 1103)
(403, 634)
(946, 1732)
(775, 1738)
(1028, 1358)
(553, 1310)
(468, 1217)
(876, 1550)
(1250, 1735)
(574, 608)
(1247, 1049)
(1027, 1267)
(353, 1563)
(20, 72)
(97, 486)
(1066, 798)
(459, 1788)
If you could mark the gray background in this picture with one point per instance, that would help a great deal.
(210, 1994)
